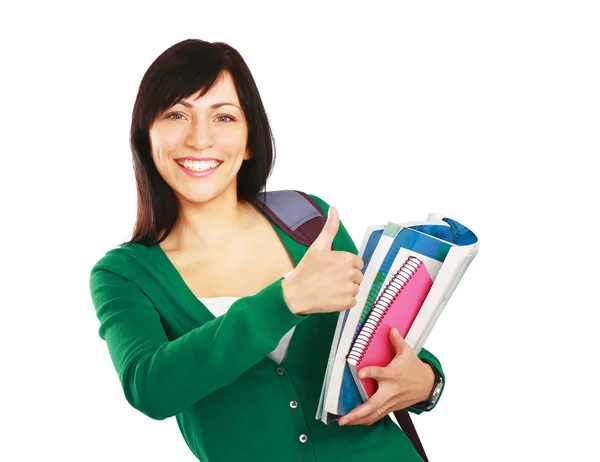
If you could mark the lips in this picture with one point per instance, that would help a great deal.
(196, 164)
(201, 159)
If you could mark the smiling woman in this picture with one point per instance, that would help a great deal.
(211, 313)
(213, 122)
(192, 105)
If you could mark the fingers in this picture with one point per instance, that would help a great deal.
(325, 239)
(359, 413)
(366, 414)
(398, 342)
(357, 262)
(373, 372)
(351, 304)
(352, 259)
(371, 419)
(356, 276)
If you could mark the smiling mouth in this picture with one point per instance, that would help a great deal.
(199, 165)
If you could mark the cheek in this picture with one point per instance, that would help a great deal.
(160, 159)
(161, 145)
(234, 142)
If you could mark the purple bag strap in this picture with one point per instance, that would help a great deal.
(301, 218)
(295, 212)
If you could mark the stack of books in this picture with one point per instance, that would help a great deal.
(410, 271)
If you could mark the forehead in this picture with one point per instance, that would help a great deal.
(222, 90)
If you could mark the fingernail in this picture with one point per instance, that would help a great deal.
(343, 422)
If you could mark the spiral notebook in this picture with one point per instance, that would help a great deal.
(397, 306)
(446, 248)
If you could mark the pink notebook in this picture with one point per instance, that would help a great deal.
(397, 306)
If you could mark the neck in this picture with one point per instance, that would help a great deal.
(211, 223)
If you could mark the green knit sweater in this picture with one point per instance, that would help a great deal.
(231, 401)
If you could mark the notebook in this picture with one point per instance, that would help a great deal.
(446, 249)
(396, 306)
(379, 254)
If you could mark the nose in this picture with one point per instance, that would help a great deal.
(200, 135)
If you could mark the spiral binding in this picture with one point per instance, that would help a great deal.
(380, 307)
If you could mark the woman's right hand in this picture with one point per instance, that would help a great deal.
(325, 280)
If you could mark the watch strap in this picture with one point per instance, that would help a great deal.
(438, 383)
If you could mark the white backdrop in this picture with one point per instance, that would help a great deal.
(487, 112)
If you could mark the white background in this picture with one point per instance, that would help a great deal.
(487, 112)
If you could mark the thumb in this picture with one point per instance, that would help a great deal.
(324, 241)
(397, 341)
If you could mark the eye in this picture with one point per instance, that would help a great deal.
(225, 116)
(174, 116)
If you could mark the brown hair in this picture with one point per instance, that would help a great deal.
(179, 72)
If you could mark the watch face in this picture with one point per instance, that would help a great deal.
(437, 390)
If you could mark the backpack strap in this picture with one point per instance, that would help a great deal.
(295, 212)
(407, 426)
(301, 218)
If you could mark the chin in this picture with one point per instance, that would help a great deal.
(199, 195)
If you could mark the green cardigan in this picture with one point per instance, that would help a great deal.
(232, 402)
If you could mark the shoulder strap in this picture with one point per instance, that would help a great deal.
(301, 218)
(295, 212)
(408, 427)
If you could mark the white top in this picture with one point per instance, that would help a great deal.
(219, 306)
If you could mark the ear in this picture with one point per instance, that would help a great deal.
(247, 154)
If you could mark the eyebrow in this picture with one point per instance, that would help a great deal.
(214, 106)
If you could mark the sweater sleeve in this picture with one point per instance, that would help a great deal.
(427, 356)
(161, 378)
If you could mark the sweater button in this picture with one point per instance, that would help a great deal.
(280, 370)
(293, 404)
(303, 438)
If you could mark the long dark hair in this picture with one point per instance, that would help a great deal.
(179, 72)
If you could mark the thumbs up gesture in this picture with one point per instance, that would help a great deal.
(325, 280)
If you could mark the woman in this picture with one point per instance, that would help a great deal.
(210, 312)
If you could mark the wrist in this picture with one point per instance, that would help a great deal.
(428, 382)
(290, 297)
(429, 402)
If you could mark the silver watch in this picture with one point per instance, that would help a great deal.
(435, 393)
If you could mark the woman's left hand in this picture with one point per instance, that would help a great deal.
(405, 381)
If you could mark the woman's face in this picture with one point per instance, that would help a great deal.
(198, 144)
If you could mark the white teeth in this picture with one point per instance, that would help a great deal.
(198, 165)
